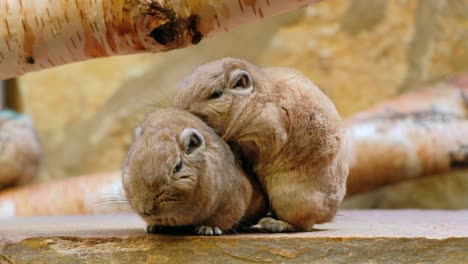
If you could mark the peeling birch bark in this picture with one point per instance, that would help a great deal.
(40, 34)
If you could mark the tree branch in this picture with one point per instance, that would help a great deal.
(36, 35)
(417, 134)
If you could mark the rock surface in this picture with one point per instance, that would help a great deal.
(378, 236)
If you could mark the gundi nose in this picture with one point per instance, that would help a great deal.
(150, 210)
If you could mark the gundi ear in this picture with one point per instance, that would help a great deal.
(192, 140)
(240, 82)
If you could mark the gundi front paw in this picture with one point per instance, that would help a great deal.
(208, 231)
(272, 225)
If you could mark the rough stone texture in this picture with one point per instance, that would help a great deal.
(20, 150)
(354, 237)
(356, 58)
(362, 52)
(359, 52)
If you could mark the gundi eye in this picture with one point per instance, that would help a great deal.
(216, 94)
(178, 167)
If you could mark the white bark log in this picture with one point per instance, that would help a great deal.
(40, 34)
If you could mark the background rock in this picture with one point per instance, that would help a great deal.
(20, 150)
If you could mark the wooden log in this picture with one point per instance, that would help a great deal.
(87, 194)
(36, 35)
(417, 134)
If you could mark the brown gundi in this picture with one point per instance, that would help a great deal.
(178, 172)
(287, 131)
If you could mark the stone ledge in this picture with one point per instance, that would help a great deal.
(398, 236)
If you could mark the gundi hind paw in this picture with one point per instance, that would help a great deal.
(272, 225)
(208, 231)
(154, 229)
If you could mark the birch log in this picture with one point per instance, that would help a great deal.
(417, 134)
(40, 34)
(87, 194)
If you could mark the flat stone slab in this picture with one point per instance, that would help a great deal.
(367, 236)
